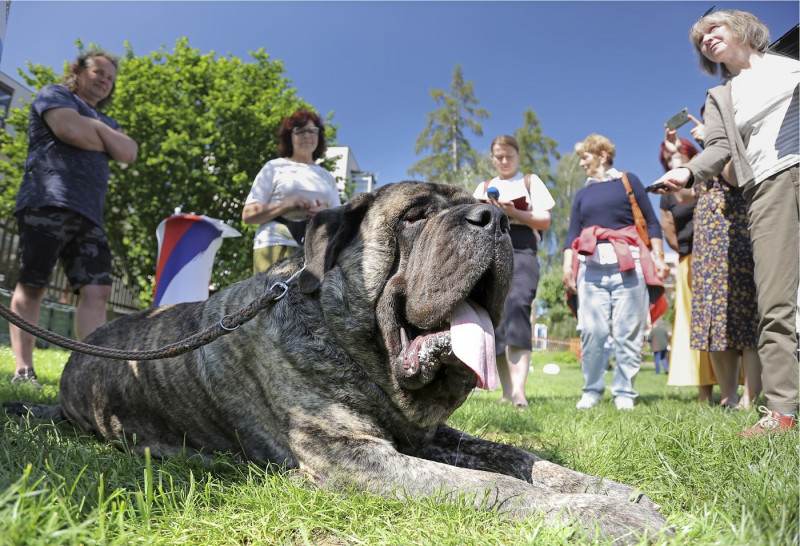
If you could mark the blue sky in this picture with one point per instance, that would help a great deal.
(616, 68)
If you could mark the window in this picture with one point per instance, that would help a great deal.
(6, 93)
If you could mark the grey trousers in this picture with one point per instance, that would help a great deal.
(774, 223)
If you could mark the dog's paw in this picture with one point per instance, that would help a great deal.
(604, 518)
(37, 411)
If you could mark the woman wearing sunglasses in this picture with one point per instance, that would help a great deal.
(289, 190)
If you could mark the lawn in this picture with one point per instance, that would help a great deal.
(59, 486)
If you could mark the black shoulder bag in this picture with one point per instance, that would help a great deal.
(297, 228)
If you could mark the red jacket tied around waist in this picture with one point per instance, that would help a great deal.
(621, 240)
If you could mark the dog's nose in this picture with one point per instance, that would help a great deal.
(489, 217)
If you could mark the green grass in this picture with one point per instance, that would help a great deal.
(60, 486)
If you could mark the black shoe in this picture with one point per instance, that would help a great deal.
(27, 375)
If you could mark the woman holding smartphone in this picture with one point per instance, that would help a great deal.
(753, 120)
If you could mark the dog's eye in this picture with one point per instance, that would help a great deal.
(414, 216)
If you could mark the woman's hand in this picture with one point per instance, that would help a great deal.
(662, 269)
(316, 207)
(698, 131)
(297, 202)
(674, 180)
(672, 143)
(531, 218)
(567, 273)
(568, 278)
(657, 254)
(505, 206)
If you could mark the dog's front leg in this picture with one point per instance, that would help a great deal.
(453, 447)
(372, 464)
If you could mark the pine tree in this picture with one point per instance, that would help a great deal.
(451, 158)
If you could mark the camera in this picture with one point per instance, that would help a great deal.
(678, 120)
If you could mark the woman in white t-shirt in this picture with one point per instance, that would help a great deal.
(290, 188)
(527, 203)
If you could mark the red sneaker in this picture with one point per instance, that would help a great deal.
(771, 423)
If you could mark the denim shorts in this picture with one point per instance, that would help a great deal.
(51, 233)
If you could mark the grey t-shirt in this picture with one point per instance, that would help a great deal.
(58, 174)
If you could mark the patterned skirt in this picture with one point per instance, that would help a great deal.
(724, 308)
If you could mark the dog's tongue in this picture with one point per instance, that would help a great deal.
(472, 339)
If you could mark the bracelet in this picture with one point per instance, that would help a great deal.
(658, 254)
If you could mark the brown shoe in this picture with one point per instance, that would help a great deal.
(771, 423)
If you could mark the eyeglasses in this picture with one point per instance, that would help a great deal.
(305, 130)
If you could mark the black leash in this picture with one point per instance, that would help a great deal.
(226, 325)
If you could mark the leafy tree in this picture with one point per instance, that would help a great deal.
(569, 178)
(14, 139)
(452, 159)
(552, 298)
(205, 126)
(536, 150)
(551, 295)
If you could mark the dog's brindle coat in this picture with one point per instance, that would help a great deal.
(350, 377)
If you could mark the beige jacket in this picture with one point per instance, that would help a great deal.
(722, 140)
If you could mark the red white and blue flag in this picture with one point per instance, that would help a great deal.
(187, 245)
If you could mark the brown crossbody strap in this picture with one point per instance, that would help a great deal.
(638, 217)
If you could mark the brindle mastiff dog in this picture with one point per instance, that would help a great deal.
(350, 377)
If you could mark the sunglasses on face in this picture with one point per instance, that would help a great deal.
(305, 130)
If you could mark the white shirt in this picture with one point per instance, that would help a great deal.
(280, 178)
(538, 199)
(765, 105)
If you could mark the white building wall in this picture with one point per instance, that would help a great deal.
(346, 169)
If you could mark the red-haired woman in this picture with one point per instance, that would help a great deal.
(290, 188)
(687, 367)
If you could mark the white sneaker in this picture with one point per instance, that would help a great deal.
(588, 401)
(623, 403)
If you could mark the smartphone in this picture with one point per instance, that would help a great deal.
(655, 187)
(678, 120)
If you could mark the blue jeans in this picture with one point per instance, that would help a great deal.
(660, 358)
(608, 297)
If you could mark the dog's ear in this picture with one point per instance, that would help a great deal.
(329, 231)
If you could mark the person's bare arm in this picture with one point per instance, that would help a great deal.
(90, 134)
(74, 129)
(662, 269)
(567, 272)
(117, 144)
(534, 219)
(668, 228)
(261, 213)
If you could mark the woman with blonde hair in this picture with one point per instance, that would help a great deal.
(753, 120)
(610, 268)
